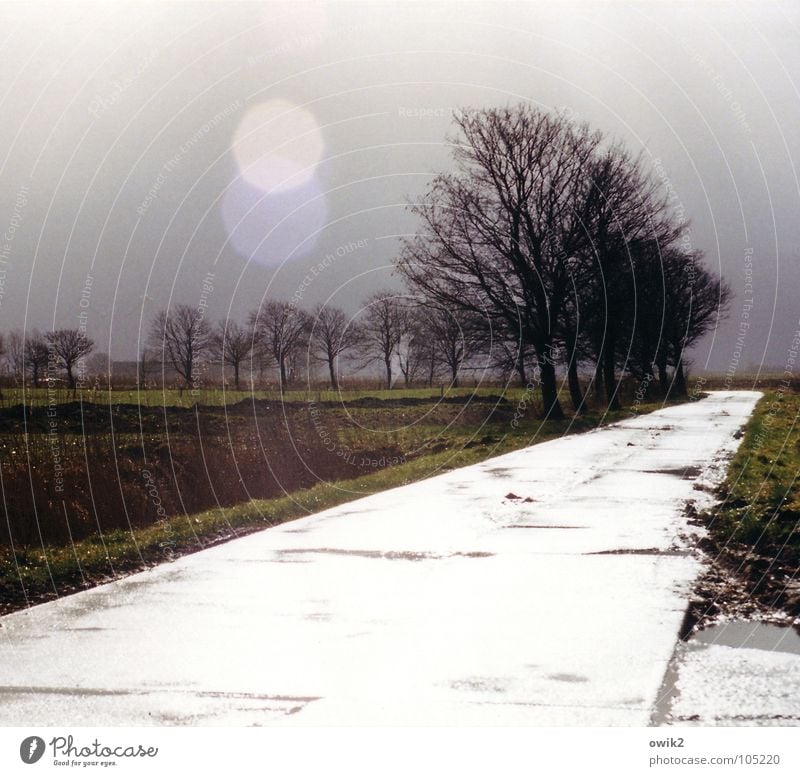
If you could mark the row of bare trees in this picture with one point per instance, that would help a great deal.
(40, 356)
(277, 334)
(392, 332)
(563, 248)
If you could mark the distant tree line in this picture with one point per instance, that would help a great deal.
(405, 341)
(392, 332)
(412, 338)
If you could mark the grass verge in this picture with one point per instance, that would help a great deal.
(754, 532)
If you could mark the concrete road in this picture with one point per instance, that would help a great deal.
(542, 587)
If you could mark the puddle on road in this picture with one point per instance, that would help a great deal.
(684, 472)
(573, 678)
(750, 635)
(739, 634)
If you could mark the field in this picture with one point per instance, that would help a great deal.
(93, 489)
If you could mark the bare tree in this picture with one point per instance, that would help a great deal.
(70, 347)
(16, 355)
(497, 235)
(694, 300)
(36, 356)
(232, 344)
(332, 336)
(552, 232)
(182, 336)
(623, 212)
(573, 349)
(453, 334)
(414, 348)
(280, 330)
(384, 323)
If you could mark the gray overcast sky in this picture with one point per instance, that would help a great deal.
(134, 159)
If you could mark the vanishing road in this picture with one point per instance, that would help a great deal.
(543, 587)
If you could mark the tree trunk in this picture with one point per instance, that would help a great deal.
(332, 370)
(236, 375)
(70, 377)
(680, 379)
(454, 375)
(575, 393)
(519, 365)
(663, 383)
(189, 373)
(282, 365)
(552, 407)
(388, 373)
(609, 376)
(574, 383)
(598, 380)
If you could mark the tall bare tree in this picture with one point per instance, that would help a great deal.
(36, 356)
(69, 346)
(694, 301)
(624, 211)
(332, 335)
(16, 355)
(182, 336)
(281, 329)
(551, 232)
(497, 235)
(232, 345)
(414, 348)
(384, 322)
(454, 334)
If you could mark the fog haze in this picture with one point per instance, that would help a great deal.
(134, 165)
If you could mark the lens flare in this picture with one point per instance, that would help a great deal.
(278, 146)
(271, 228)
